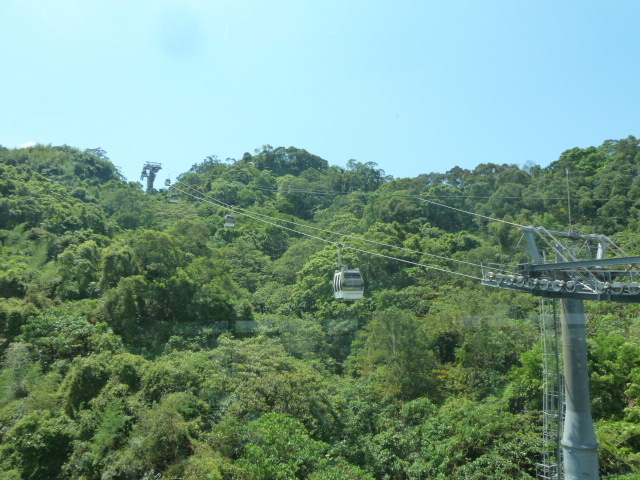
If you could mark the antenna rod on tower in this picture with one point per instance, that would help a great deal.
(568, 197)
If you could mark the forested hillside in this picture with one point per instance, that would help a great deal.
(140, 338)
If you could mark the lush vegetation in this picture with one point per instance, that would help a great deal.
(141, 339)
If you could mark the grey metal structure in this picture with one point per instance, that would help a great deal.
(550, 468)
(581, 271)
(149, 171)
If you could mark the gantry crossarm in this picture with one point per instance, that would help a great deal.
(575, 235)
(598, 263)
(552, 244)
(570, 235)
(562, 286)
(607, 285)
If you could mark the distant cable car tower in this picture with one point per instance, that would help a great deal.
(149, 171)
(580, 272)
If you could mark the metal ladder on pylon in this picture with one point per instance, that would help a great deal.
(553, 393)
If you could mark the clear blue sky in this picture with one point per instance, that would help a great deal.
(415, 86)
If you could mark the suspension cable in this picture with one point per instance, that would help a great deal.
(332, 242)
(337, 233)
(375, 194)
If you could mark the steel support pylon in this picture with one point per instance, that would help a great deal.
(579, 443)
(580, 272)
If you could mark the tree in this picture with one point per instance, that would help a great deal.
(85, 380)
(471, 440)
(62, 334)
(19, 374)
(160, 439)
(315, 281)
(117, 262)
(293, 197)
(257, 376)
(612, 363)
(127, 205)
(156, 254)
(279, 448)
(79, 267)
(283, 161)
(392, 352)
(38, 445)
(363, 176)
(127, 308)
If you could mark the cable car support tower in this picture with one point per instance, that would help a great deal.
(149, 171)
(584, 267)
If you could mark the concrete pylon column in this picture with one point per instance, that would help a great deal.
(579, 443)
(151, 176)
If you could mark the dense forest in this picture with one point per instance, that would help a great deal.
(141, 339)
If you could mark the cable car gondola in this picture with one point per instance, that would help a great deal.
(173, 198)
(347, 282)
(230, 220)
(167, 182)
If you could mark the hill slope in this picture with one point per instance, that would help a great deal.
(142, 338)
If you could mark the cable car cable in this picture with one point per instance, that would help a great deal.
(577, 271)
(431, 267)
(259, 219)
(422, 198)
(470, 213)
(459, 210)
(373, 194)
(349, 235)
(428, 201)
(220, 203)
(345, 234)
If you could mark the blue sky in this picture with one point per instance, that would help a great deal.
(415, 86)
